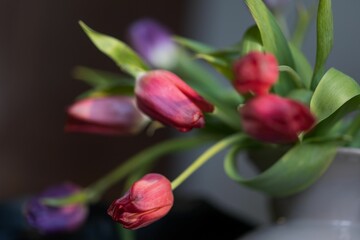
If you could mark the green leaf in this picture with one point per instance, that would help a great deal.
(305, 16)
(324, 127)
(100, 78)
(118, 51)
(221, 64)
(336, 95)
(301, 95)
(79, 197)
(298, 169)
(114, 90)
(302, 66)
(333, 91)
(251, 41)
(195, 46)
(221, 60)
(274, 41)
(207, 85)
(324, 39)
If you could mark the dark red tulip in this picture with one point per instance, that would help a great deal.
(164, 97)
(255, 73)
(274, 119)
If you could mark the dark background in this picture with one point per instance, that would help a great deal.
(40, 43)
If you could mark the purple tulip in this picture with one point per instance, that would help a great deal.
(47, 219)
(153, 42)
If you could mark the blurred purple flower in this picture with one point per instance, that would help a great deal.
(48, 219)
(153, 42)
(276, 5)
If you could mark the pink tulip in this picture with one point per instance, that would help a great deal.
(148, 200)
(116, 115)
(274, 119)
(255, 73)
(166, 98)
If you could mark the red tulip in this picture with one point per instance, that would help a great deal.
(148, 200)
(255, 73)
(166, 98)
(116, 115)
(274, 119)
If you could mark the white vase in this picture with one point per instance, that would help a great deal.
(328, 210)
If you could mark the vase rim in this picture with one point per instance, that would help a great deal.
(349, 150)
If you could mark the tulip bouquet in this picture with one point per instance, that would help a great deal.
(274, 100)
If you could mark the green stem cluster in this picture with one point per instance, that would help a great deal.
(144, 158)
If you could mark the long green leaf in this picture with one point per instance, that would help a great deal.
(302, 66)
(324, 39)
(222, 65)
(221, 60)
(114, 90)
(251, 41)
(118, 51)
(305, 16)
(299, 168)
(274, 41)
(99, 78)
(195, 46)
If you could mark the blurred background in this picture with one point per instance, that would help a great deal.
(40, 44)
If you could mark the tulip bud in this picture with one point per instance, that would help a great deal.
(116, 115)
(153, 42)
(148, 200)
(166, 98)
(255, 73)
(49, 219)
(274, 119)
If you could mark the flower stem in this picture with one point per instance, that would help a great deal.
(294, 75)
(203, 158)
(145, 157)
(125, 234)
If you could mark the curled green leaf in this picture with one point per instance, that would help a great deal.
(336, 96)
(299, 168)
